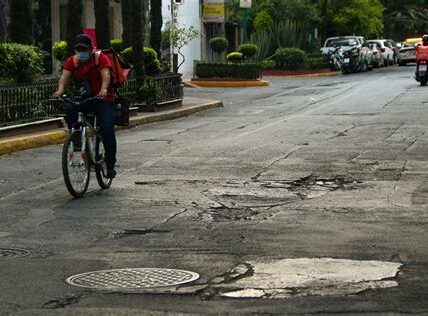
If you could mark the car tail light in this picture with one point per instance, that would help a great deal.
(423, 62)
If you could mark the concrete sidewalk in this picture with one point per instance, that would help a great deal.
(56, 136)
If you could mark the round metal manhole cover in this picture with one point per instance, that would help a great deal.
(6, 253)
(132, 279)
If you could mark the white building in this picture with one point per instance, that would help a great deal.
(188, 14)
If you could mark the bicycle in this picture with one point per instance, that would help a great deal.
(83, 150)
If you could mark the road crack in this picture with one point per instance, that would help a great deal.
(257, 176)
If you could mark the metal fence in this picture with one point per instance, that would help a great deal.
(30, 102)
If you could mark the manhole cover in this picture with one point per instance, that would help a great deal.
(6, 253)
(132, 279)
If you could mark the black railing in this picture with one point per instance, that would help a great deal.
(30, 102)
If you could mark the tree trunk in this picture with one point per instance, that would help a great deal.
(21, 26)
(156, 25)
(126, 6)
(102, 23)
(74, 19)
(137, 18)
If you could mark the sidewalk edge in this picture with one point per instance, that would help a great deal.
(29, 141)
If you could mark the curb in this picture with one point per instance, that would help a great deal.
(230, 84)
(327, 74)
(29, 141)
(8, 146)
(332, 74)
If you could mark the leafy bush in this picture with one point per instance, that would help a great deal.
(235, 57)
(238, 71)
(21, 63)
(117, 45)
(263, 21)
(219, 44)
(268, 64)
(248, 50)
(289, 58)
(150, 57)
(61, 51)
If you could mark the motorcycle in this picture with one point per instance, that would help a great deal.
(421, 72)
(421, 65)
(351, 61)
(335, 59)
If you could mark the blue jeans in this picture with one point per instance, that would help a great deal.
(105, 112)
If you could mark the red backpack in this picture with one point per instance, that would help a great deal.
(119, 72)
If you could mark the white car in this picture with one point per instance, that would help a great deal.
(345, 42)
(387, 51)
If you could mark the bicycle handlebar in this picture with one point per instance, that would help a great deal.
(65, 98)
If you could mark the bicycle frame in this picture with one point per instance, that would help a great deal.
(84, 125)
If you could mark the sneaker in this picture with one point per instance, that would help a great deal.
(111, 173)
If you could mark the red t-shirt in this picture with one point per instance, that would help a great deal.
(91, 72)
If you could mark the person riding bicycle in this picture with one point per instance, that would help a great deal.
(95, 79)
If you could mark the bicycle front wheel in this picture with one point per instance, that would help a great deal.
(101, 166)
(75, 166)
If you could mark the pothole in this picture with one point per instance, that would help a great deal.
(305, 277)
(312, 186)
(8, 253)
(133, 280)
(225, 214)
(236, 194)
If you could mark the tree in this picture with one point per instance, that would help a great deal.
(74, 19)
(126, 7)
(156, 25)
(405, 18)
(20, 29)
(181, 36)
(362, 17)
(102, 23)
(138, 23)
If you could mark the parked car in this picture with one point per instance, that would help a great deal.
(387, 52)
(355, 47)
(346, 42)
(377, 57)
(396, 50)
(408, 50)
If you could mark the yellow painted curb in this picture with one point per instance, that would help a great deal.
(230, 84)
(10, 145)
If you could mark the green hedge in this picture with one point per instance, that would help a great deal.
(248, 50)
(219, 44)
(235, 57)
(151, 62)
(316, 61)
(229, 70)
(20, 63)
(289, 58)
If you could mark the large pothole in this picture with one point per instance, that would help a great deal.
(303, 277)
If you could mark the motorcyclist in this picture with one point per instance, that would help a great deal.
(422, 49)
(95, 79)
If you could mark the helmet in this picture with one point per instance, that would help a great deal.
(425, 39)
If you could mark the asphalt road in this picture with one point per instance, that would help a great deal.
(308, 196)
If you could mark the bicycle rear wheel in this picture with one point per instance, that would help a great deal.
(101, 166)
(75, 166)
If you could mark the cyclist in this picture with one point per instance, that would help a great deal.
(94, 80)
